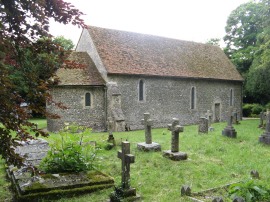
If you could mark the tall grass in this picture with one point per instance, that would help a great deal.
(213, 160)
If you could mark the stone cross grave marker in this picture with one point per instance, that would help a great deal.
(203, 125)
(265, 138)
(127, 159)
(174, 153)
(209, 115)
(148, 145)
(125, 192)
(229, 130)
(148, 123)
(110, 125)
(175, 129)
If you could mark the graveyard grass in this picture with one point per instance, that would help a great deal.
(213, 160)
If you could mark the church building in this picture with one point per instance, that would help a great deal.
(128, 74)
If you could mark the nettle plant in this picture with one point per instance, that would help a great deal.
(70, 154)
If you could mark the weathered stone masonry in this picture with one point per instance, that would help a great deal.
(73, 98)
(170, 97)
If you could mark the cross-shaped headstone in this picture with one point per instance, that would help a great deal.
(175, 128)
(209, 115)
(127, 159)
(147, 122)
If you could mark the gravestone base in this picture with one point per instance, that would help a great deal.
(124, 194)
(229, 132)
(265, 138)
(175, 156)
(149, 147)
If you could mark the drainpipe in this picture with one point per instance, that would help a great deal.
(106, 109)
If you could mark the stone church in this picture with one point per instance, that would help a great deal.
(127, 74)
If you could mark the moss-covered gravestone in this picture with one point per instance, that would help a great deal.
(174, 153)
(125, 191)
(30, 185)
(148, 145)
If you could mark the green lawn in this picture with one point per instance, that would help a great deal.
(213, 160)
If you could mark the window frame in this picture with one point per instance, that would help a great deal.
(193, 98)
(141, 90)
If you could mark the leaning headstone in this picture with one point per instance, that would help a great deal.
(174, 153)
(203, 125)
(148, 145)
(265, 138)
(209, 116)
(125, 191)
(229, 130)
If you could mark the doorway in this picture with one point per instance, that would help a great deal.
(217, 112)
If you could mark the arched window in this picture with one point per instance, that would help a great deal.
(141, 90)
(87, 99)
(231, 97)
(192, 98)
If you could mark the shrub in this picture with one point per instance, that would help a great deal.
(252, 110)
(69, 155)
(250, 191)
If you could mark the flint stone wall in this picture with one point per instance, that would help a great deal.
(73, 98)
(166, 98)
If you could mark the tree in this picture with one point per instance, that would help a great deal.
(67, 44)
(258, 80)
(243, 26)
(28, 55)
(214, 42)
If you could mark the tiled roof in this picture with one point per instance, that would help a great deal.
(88, 75)
(132, 53)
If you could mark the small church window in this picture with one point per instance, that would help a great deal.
(141, 90)
(193, 98)
(87, 99)
(231, 97)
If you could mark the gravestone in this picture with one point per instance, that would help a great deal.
(265, 138)
(235, 119)
(148, 145)
(30, 185)
(262, 119)
(229, 130)
(174, 153)
(203, 125)
(110, 124)
(125, 191)
(209, 116)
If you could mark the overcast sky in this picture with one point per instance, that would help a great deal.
(192, 20)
